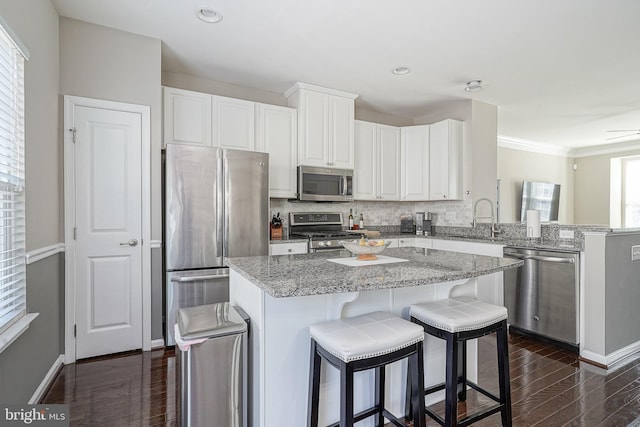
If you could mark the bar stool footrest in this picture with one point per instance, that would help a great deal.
(362, 415)
(479, 389)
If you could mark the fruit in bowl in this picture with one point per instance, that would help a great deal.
(366, 249)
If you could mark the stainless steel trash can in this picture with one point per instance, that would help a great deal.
(212, 366)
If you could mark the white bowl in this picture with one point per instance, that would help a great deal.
(368, 251)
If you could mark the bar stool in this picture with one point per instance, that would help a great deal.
(457, 320)
(369, 341)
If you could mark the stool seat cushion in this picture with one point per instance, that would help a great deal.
(368, 335)
(458, 314)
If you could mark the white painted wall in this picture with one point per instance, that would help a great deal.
(592, 187)
(515, 166)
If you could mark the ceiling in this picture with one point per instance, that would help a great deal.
(561, 72)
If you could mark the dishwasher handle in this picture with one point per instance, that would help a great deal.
(183, 279)
(542, 258)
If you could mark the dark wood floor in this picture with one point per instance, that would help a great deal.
(549, 386)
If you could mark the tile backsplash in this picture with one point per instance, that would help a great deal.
(447, 213)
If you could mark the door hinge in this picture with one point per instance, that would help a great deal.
(74, 330)
(73, 132)
(75, 229)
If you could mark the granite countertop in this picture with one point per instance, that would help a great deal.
(312, 274)
(567, 245)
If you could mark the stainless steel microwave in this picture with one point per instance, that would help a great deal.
(325, 184)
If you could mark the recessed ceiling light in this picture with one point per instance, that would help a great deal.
(473, 85)
(208, 15)
(399, 71)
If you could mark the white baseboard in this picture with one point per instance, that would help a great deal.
(157, 344)
(47, 380)
(612, 358)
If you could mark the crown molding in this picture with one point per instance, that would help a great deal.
(575, 152)
(534, 147)
(597, 150)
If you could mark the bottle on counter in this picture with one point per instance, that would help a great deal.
(361, 222)
(350, 219)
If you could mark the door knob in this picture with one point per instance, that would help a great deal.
(131, 242)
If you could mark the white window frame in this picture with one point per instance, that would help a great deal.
(628, 162)
(13, 306)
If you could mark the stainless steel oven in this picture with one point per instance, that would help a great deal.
(325, 184)
(323, 230)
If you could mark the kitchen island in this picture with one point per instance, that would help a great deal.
(285, 294)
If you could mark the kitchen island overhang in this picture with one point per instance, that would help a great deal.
(285, 294)
(312, 274)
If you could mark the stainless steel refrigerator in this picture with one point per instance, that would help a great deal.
(216, 206)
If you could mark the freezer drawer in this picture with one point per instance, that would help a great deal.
(192, 288)
(542, 296)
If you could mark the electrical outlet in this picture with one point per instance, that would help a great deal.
(566, 234)
(635, 253)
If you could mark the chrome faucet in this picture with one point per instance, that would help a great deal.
(495, 229)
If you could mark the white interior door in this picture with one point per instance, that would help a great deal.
(108, 231)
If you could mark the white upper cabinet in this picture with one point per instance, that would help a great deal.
(325, 125)
(377, 162)
(365, 177)
(445, 160)
(187, 117)
(276, 134)
(203, 119)
(233, 123)
(414, 163)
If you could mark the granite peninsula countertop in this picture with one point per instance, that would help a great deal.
(312, 274)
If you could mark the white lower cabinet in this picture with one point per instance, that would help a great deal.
(393, 244)
(490, 287)
(404, 242)
(423, 243)
(288, 248)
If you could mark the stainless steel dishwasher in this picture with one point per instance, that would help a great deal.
(542, 296)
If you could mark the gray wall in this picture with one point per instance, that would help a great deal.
(622, 292)
(103, 63)
(26, 361)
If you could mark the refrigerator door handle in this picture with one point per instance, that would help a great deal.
(222, 228)
(223, 175)
(183, 279)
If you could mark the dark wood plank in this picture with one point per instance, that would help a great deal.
(550, 387)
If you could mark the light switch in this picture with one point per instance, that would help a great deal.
(635, 253)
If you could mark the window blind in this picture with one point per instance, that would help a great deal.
(12, 208)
